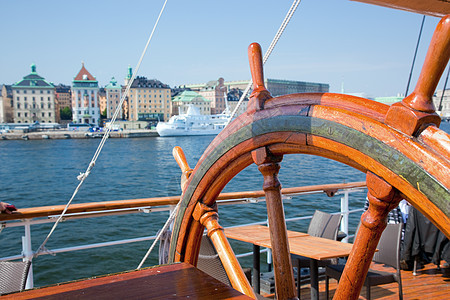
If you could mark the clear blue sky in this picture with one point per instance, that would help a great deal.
(369, 48)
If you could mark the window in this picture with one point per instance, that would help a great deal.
(18, 114)
(32, 91)
(18, 105)
(26, 106)
(24, 98)
(49, 105)
(24, 91)
(17, 98)
(49, 114)
(43, 114)
(42, 91)
(26, 115)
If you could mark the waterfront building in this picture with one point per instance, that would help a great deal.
(34, 100)
(216, 92)
(63, 96)
(6, 104)
(148, 100)
(279, 87)
(181, 102)
(102, 101)
(113, 95)
(217, 89)
(85, 93)
(441, 100)
(233, 97)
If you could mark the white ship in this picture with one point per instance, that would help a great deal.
(193, 123)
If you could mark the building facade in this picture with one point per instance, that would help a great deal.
(216, 91)
(279, 87)
(6, 106)
(34, 100)
(180, 103)
(63, 96)
(113, 95)
(233, 97)
(85, 93)
(148, 100)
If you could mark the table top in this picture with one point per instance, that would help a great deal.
(255, 234)
(299, 243)
(161, 282)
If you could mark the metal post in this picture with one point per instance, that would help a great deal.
(345, 214)
(27, 253)
(256, 269)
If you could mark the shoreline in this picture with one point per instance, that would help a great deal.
(66, 134)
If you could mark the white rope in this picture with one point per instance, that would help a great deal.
(272, 45)
(82, 177)
(163, 229)
(266, 56)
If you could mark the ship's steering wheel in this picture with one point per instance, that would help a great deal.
(399, 147)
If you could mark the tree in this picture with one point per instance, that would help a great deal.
(103, 114)
(66, 113)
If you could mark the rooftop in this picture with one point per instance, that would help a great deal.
(33, 80)
(84, 75)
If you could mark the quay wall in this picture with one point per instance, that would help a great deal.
(65, 134)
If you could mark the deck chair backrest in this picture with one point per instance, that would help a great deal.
(209, 261)
(324, 225)
(13, 276)
(389, 246)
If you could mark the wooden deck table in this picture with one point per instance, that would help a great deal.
(180, 280)
(300, 243)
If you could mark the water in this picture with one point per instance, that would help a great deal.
(43, 172)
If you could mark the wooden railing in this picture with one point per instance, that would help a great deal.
(105, 206)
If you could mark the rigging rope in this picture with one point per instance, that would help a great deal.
(414, 58)
(272, 45)
(82, 177)
(266, 56)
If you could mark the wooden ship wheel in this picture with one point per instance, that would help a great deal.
(399, 147)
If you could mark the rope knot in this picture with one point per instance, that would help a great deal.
(84, 175)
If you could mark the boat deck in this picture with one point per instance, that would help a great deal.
(430, 283)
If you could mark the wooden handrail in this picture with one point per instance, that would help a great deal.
(45, 211)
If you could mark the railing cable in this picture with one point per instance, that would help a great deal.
(82, 177)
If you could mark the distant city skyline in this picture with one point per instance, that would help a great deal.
(365, 48)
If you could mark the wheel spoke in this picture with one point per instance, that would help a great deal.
(269, 165)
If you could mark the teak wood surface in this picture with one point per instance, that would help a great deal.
(299, 243)
(179, 280)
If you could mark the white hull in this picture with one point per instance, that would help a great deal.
(192, 123)
(181, 132)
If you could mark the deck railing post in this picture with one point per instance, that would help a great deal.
(345, 214)
(27, 252)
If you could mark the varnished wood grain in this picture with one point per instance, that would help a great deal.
(164, 282)
(269, 166)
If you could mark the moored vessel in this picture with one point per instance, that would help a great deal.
(193, 123)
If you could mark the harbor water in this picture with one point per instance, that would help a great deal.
(44, 172)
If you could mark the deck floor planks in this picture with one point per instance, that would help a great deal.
(429, 283)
